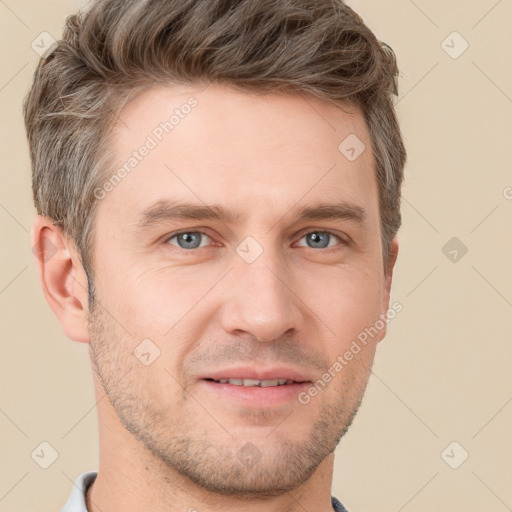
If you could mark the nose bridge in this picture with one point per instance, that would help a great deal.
(260, 301)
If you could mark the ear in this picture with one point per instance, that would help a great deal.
(62, 276)
(388, 277)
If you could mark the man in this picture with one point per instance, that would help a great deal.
(218, 186)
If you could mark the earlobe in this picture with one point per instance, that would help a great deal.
(62, 277)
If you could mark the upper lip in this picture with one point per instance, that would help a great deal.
(250, 372)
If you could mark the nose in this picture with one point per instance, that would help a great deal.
(261, 301)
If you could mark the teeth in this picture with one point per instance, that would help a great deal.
(266, 383)
(256, 382)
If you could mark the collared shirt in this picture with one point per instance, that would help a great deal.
(76, 500)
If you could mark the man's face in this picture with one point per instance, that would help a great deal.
(260, 294)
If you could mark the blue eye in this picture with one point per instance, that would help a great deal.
(320, 239)
(188, 239)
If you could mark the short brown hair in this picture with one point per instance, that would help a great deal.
(119, 47)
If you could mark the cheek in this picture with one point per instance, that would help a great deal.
(151, 300)
(168, 308)
(346, 301)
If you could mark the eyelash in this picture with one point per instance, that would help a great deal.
(302, 235)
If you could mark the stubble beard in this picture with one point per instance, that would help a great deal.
(229, 467)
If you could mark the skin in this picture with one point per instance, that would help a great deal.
(168, 441)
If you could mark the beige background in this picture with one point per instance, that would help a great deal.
(443, 372)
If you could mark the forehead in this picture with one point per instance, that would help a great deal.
(244, 150)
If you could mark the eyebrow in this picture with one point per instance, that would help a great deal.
(167, 210)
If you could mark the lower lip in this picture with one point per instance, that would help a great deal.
(257, 395)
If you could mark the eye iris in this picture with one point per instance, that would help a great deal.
(319, 237)
(191, 240)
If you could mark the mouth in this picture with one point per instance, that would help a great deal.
(254, 393)
(255, 382)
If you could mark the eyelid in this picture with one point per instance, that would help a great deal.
(344, 239)
(177, 233)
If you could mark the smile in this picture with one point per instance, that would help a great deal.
(254, 382)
